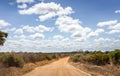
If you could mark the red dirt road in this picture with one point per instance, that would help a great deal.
(57, 68)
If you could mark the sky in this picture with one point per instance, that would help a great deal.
(60, 25)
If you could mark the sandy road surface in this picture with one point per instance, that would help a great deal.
(57, 68)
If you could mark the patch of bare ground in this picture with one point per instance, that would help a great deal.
(13, 71)
(94, 70)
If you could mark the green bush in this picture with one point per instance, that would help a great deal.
(98, 58)
(12, 59)
(76, 57)
(115, 56)
(48, 57)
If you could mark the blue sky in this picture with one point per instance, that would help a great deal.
(60, 25)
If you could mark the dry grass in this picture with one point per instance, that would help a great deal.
(13, 71)
(94, 70)
(30, 66)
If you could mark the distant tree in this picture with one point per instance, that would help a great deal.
(3, 36)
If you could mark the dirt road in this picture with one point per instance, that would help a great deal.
(57, 68)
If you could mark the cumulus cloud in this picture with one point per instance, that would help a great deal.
(68, 24)
(20, 36)
(117, 11)
(107, 23)
(47, 16)
(18, 31)
(102, 40)
(58, 37)
(23, 6)
(47, 10)
(28, 28)
(42, 28)
(112, 25)
(99, 30)
(80, 39)
(102, 43)
(24, 1)
(95, 33)
(10, 29)
(77, 34)
(114, 29)
(39, 28)
(37, 36)
(81, 33)
(3, 23)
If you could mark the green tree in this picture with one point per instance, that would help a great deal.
(3, 36)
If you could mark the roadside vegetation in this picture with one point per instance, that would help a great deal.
(17, 64)
(98, 57)
(98, 62)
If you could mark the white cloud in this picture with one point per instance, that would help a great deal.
(113, 26)
(22, 5)
(99, 31)
(37, 36)
(102, 43)
(80, 39)
(102, 40)
(11, 29)
(21, 36)
(92, 34)
(117, 11)
(68, 24)
(77, 34)
(87, 29)
(47, 16)
(95, 33)
(39, 28)
(114, 29)
(107, 23)
(19, 31)
(4, 23)
(28, 28)
(66, 40)
(24, 1)
(81, 34)
(47, 10)
(42, 28)
(58, 37)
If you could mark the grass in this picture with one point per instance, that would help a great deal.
(17, 64)
(15, 71)
(98, 63)
(95, 70)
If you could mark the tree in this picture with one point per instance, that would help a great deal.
(3, 36)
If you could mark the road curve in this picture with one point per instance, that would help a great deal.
(57, 68)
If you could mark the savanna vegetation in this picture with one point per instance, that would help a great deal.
(98, 57)
(16, 64)
(98, 62)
